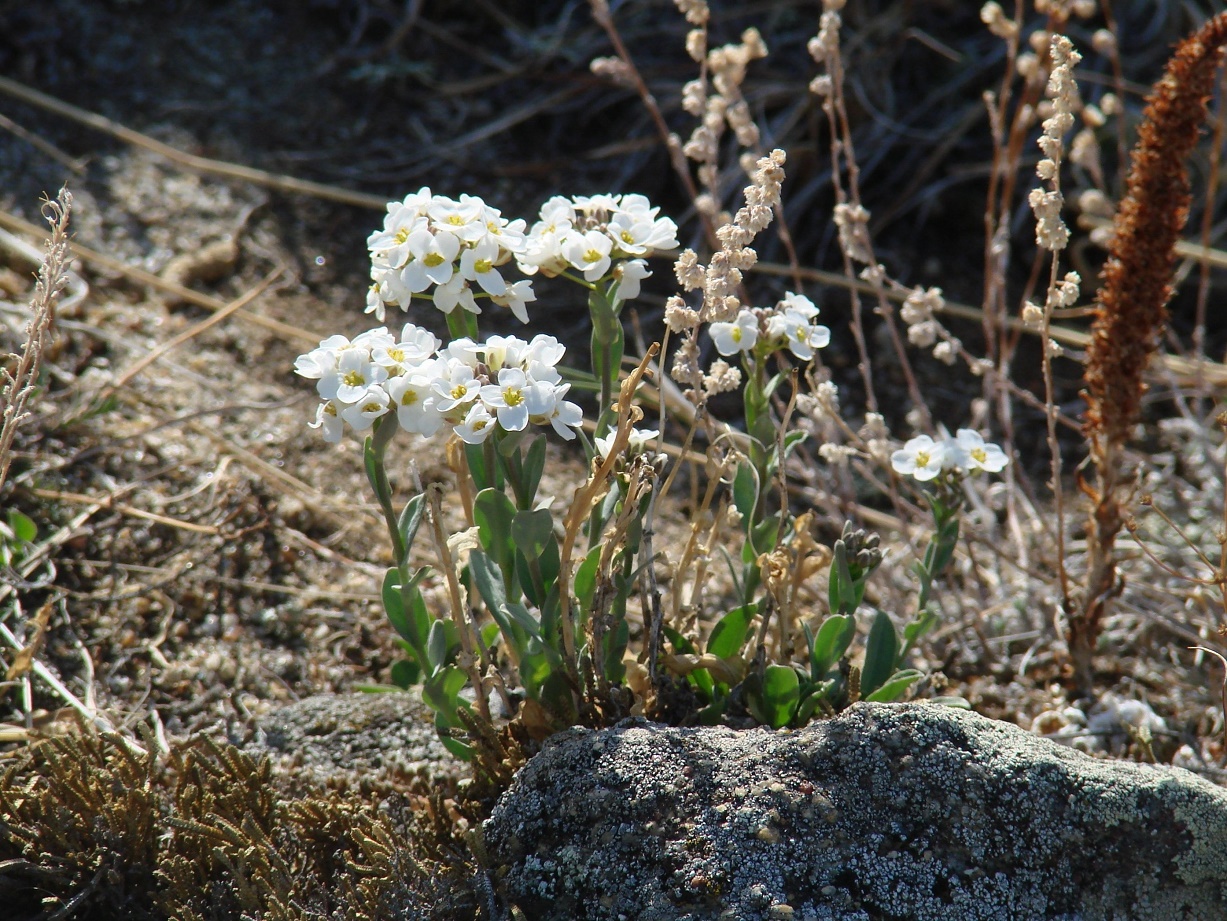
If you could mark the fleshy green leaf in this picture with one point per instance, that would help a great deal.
(585, 579)
(411, 519)
(493, 512)
(745, 492)
(24, 529)
(895, 686)
(881, 653)
(405, 674)
(731, 631)
(436, 645)
(531, 532)
(830, 643)
(534, 466)
(777, 701)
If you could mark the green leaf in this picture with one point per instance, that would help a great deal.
(764, 535)
(489, 581)
(556, 697)
(534, 669)
(585, 579)
(490, 634)
(745, 493)
(475, 456)
(457, 748)
(731, 631)
(534, 466)
(24, 529)
(531, 532)
(881, 653)
(777, 701)
(700, 677)
(830, 643)
(441, 690)
(812, 700)
(405, 674)
(615, 648)
(414, 623)
(895, 686)
(493, 512)
(957, 703)
(411, 519)
(373, 464)
(436, 645)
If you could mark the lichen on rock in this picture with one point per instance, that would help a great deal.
(915, 811)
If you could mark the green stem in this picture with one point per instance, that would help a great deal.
(377, 444)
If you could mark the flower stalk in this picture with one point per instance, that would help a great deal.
(1132, 310)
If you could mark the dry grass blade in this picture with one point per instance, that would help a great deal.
(189, 161)
(17, 385)
(17, 225)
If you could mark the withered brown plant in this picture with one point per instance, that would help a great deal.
(1131, 309)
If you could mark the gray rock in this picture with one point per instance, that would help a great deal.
(888, 812)
(363, 739)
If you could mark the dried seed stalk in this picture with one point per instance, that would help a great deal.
(1131, 310)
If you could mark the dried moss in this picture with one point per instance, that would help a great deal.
(92, 829)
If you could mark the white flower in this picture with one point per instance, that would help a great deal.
(921, 457)
(372, 404)
(326, 417)
(415, 400)
(588, 252)
(739, 336)
(629, 275)
(391, 245)
(791, 324)
(431, 260)
(515, 297)
(455, 292)
(478, 264)
(564, 416)
(477, 426)
(634, 445)
(456, 387)
(509, 399)
(354, 373)
(969, 451)
(464, 218)
(797, 303)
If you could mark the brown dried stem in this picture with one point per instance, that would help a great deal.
(1131, 312)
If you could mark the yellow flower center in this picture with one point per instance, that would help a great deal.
(402, 235)
(481, 266)
(371, 407)
(979, 455)
(736, 334)
(396, 354)
(455, 220)
(593, 255)
(922, 458)
(433, 259)
(626, 237)
(513, 396)
(458, 391)
(354, 378)
(408, 398)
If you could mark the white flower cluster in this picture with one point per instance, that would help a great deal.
(592, 234)
(789, 324)
(474, 387)
(457, 247)
(925, 459)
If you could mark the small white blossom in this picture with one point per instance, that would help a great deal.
(969, 451)
(739, 336)
(921, 458)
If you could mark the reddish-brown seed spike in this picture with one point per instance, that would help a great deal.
(1137, 278)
